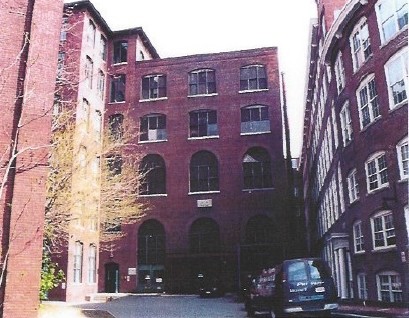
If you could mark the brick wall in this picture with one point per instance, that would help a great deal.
(22, 224)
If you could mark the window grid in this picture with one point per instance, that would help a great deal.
(358, 237)
(377, 173)
(118, 84)
(78, 258)
(383, 231)
(204, 175)
(389, 287)
(153, 128)
(403, 158)
(120, 52)
(203, 123)
(154, 86)
(202, 82)
(360, 44)
(254, 119)
(392, 16)
(339, 73)
(353, 188)
(253, 77)
(362, 281)
(368, 103)
(346, 124)
(396, 74)
(92, 264)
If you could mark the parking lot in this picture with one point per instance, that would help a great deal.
(169, 306)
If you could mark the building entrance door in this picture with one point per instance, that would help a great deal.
(111, 278)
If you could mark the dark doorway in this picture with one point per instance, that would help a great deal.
(111, 278)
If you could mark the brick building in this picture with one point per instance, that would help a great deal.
(355, 149)
(28, 64)
(210, 125)
(209, 128)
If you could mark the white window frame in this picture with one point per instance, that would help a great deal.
(380, 172)
(92, 264)
(362, 285)
(78, 262)
(360, 44)
(358, 237)
(353, 187)
(393, 286)
(256, 125)
(346, 124)
(403, 158)
(396, 72)
(339, 72)
(386, 231)
(371, 105)
(392, 17)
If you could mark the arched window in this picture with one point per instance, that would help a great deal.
(202, 82)
(259, 230)
(204, 236)
(253, 77)
(153, 174)
(204, 174)
(257, 169)
(151, 243)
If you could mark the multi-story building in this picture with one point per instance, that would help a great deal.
(209, 128)
(28, 64)
(209, 132)
(83, 68)
(355, 148)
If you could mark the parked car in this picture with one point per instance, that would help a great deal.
(304, 286)
(260, 295)
(210, 286)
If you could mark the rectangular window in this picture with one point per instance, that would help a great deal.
(64, 29)
(153, 128)
(78, 258)
(118, 83)
(115, 123)
(383, 230)
(389, 287)
(154, 86)
(203, 123)
(92, 264)
(91, 33)
(403, 158)
(120, 52)
(368, 102)
(360, 44)
(346, 124)
(89, 71)
(103, 48)
(101, 84)
(376, 172)
(353, 189)
(339, 73)
(358, 237)
(253, 77)
(396, 70)
(254, 119)
(362, 286)
(202, 82)
(392, 17)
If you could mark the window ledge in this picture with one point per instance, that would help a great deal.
(119, 63)
(253, 90)
(204, 137)
(151, 141)
(114, 103)
(204, 192)
(153, 195)
(403, 179)
(202, 95)
(398, 106)
(353, 202)
(255, 133)
(360, 252)
(384, 249)
(393, 37)
(152, 99)
(381, 188)
(371, 123)
(257, 189)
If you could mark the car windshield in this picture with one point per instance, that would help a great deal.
(297, 271)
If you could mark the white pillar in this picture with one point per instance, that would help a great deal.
(342, 274)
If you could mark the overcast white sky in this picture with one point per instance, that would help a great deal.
(188, 27)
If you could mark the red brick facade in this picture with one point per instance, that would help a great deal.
(29, 43)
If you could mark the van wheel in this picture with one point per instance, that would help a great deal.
(250, 312)
(271, 314)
